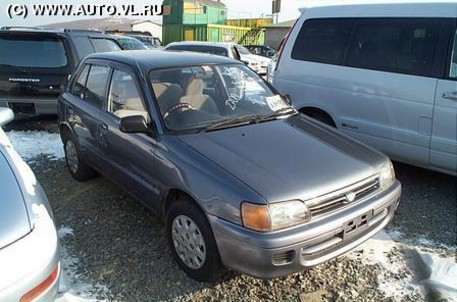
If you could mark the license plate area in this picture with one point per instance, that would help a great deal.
(356, 225)
(27, 108)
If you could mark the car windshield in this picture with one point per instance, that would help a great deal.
(243, 50)
(131, 44)
(211, 97)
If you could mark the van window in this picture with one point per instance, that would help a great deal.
(396, 45)
(96, 84)
(323, 40)
(37, 51)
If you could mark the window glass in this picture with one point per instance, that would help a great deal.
(124, 98)
(397, 45)
(214, 50)
(32, 51)
(96, 83)
(78, 88)
(323, 40)
(453, 69)
(104, 45)
(196, 97)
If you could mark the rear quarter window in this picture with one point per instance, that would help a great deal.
(323, 40)
(33, 51)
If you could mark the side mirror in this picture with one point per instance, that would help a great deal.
(271, 53)
(6, 116)
(133, 124)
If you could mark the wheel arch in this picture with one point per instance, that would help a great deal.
(315, 112)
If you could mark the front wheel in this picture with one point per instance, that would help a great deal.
(192, 242)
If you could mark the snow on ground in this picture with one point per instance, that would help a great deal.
(406, 270)
(73, 286)
(30, 144)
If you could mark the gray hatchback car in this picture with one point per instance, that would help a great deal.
(242, 180)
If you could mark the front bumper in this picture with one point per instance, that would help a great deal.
(275, 254)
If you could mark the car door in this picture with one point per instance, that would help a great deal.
(129, 156)
(82, 105)
(443, 150)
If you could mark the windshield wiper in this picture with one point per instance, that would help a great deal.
(279, 112)
(246, 119)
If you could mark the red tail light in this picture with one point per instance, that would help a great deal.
(42, 287)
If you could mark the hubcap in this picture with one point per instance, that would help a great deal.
(72, 156)
(188, 242)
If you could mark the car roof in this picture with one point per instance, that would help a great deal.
(156, 59)
(202, 43)
(60, 32)
(387, 8)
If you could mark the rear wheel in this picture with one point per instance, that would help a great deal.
(320, 116)
(78, 169)
(192, 242)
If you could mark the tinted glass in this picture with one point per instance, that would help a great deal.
(323, 40)
(397, 45)
(131, 44)
(96, 83)
(79, 86)
(124, 98)
(38, 51)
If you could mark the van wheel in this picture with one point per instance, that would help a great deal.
(321, 116)
(78, 169)
(192, 242)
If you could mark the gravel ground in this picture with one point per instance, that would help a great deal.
(120, 244)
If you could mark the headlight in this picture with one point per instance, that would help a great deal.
(386, 175)
(274, 216)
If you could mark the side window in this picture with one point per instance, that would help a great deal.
(453, 66)
(96, 84)
(83, 46)
(104, 45)
(396, 45)
(124, 97)
(323, 40)
(79, 85)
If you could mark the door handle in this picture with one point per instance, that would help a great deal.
(450, 95)
(103, 126)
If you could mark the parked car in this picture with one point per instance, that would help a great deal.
(262, 50)
(35, 64)
(242, 180)
(29, 253)
(230, 50)
(150, 41)
(381, 73)
(129, 43)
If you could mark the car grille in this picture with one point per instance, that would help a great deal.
(344, 197)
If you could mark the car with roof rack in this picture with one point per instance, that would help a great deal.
(35, 64)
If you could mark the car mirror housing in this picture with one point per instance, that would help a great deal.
(6, 116)
(133, 124)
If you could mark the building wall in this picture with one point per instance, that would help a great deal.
(154, 29)
(273, 36)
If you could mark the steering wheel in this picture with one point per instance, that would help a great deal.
(176, 107)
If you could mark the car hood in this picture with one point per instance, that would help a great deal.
(14, 219)
(288, 158)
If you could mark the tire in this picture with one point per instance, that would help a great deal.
(78, 169)
(192, 242)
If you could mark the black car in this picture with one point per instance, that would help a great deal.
(241, 179)
(35, 64)
(262, 50)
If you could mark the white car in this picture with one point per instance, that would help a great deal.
(383, 73)
(231, 50)
(29, 251)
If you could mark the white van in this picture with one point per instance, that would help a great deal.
(385, 74)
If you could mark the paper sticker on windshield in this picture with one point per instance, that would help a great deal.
(275, 102)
